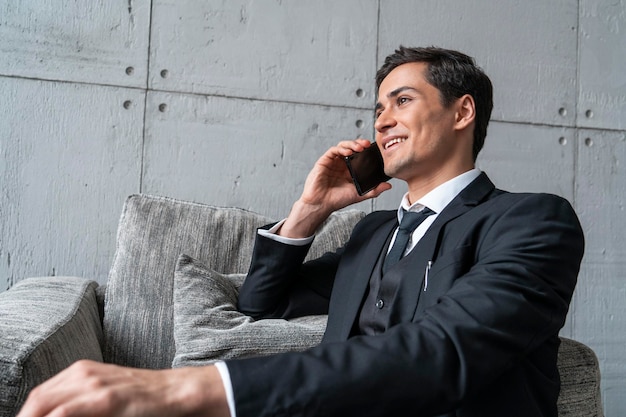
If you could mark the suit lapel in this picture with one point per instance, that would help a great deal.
(410, 289)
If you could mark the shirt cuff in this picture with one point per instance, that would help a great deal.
(228, 386)
(271, 234)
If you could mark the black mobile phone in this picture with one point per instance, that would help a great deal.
(366, 169)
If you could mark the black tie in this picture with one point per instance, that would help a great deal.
(410, 221)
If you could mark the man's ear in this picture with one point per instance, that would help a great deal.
(465, 111)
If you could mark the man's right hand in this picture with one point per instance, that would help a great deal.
(328, 188)
(93, 389)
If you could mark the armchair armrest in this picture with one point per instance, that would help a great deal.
(580, 380)
(46, 324)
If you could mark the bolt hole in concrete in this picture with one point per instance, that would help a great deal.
(589, 114)
(130, 70)
(360, 92)
(127, 104)
(162, 107)
(563, 111)
(562, 141)
(359, 124)
(165, 73)
(589, 142)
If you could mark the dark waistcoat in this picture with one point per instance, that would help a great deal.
(376, 309)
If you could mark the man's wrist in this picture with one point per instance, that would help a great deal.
(204, 392)
(303, 220)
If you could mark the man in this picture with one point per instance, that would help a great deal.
(464, 323)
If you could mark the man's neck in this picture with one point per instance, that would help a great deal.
(419, 187)
(439, 197)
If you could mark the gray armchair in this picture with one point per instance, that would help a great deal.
(50, 322)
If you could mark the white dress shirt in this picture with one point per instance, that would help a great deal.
(436, 200)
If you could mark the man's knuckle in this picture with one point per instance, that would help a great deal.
(62, 410)
(83, 368)
(35, 396)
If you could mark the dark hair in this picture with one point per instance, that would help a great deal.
(454, 74)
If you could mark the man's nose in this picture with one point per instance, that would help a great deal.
(384, 121)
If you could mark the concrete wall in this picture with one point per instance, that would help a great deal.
(231, 102)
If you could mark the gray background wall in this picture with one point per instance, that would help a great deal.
(231, 102)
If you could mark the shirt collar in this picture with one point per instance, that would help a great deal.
(440, 197)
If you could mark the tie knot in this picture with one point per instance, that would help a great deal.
(411, 219)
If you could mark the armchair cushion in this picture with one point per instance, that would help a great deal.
(208, 327)
(46, 324)
(153, 231)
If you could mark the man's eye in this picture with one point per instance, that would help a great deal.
(402, 100)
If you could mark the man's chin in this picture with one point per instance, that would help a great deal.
(396, 171)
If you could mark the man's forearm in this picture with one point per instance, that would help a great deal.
(272, 269)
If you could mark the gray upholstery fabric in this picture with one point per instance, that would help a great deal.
(46, 324)
(580, 381)
(208, 327)
(153, 232)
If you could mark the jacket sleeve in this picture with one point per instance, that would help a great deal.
(280, 284)
(513, 300)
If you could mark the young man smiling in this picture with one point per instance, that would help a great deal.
(465, 323)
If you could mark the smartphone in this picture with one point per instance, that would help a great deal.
(366, 169)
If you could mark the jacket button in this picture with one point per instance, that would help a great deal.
(380, 304)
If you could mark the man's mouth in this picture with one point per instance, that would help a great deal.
(393, 142)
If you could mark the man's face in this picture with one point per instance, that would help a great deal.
(414, 132)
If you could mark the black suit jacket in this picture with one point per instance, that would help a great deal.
(481, 339)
